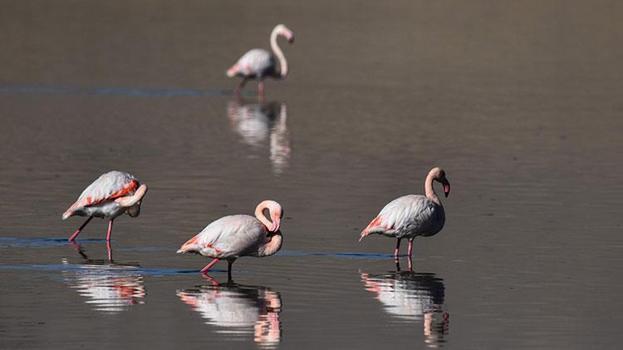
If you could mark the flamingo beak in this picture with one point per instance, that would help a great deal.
(276, 223)
(446, 187)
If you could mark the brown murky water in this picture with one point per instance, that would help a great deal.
(520, 102)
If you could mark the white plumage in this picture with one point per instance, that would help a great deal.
(233, 236)
(109, 196)
(412, 215)
(258, 63)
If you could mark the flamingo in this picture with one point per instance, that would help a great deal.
(412, 215)
(259, 63)
(109, 196)
(234, 236)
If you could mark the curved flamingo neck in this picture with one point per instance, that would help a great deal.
(430, 190)
(272, 246)
(259, 214)
(283, 64)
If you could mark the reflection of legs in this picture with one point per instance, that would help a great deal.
(109, 249)
(73, 237)
(212, 281)
(208, 266)
(109, 230)
(79, 250)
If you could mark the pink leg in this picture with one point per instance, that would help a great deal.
(73, 237)
(260, 89)
(208, 266)
(410, 263)
(397, 250)
(109, 249)
(109, 230)
(212, 281)
(239, 87)
(410, 248)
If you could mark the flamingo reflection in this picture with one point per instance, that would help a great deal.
(108, 288)
(258, 122)
(238, 310)
(412, 297)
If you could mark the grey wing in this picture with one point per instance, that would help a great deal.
(256, 62)
(413, 215)
(232, 235)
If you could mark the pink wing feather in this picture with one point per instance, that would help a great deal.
(109, 186)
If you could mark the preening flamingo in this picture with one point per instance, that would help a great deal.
(234, 236)
(109, 196)
(412, 215)
(258, 63)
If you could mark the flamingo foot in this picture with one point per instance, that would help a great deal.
(109, 249)
(208, 266)
(260, 90)
(75, 234)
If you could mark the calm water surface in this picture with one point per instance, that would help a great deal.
(519, 102)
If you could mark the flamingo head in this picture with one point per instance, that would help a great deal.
(284, 31)
(275, 212)
(440, 176)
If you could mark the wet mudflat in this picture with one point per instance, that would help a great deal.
(520, 103)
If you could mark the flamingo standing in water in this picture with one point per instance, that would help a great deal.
(233, 236)
(259, 63)
(109, 196)
(412, 215)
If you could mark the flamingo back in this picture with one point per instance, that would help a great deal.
(109, 186)
(256, 63)
(228, 237)
(408, 216)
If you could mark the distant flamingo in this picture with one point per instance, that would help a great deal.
(259, 63)
(233, 236)
(109, 196)
(412, 215)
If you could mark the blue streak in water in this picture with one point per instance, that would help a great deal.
(109, 91)
(104, 269)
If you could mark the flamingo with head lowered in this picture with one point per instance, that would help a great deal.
(412, 215)
(234, 236)
(109, 196)
(258, 63)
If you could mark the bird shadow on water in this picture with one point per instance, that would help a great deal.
(412, 297)
(260, 123)
(238, 311)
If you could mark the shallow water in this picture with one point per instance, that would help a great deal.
(520, 103)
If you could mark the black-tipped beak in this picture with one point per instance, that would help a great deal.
(291, 39)
(446, 188)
